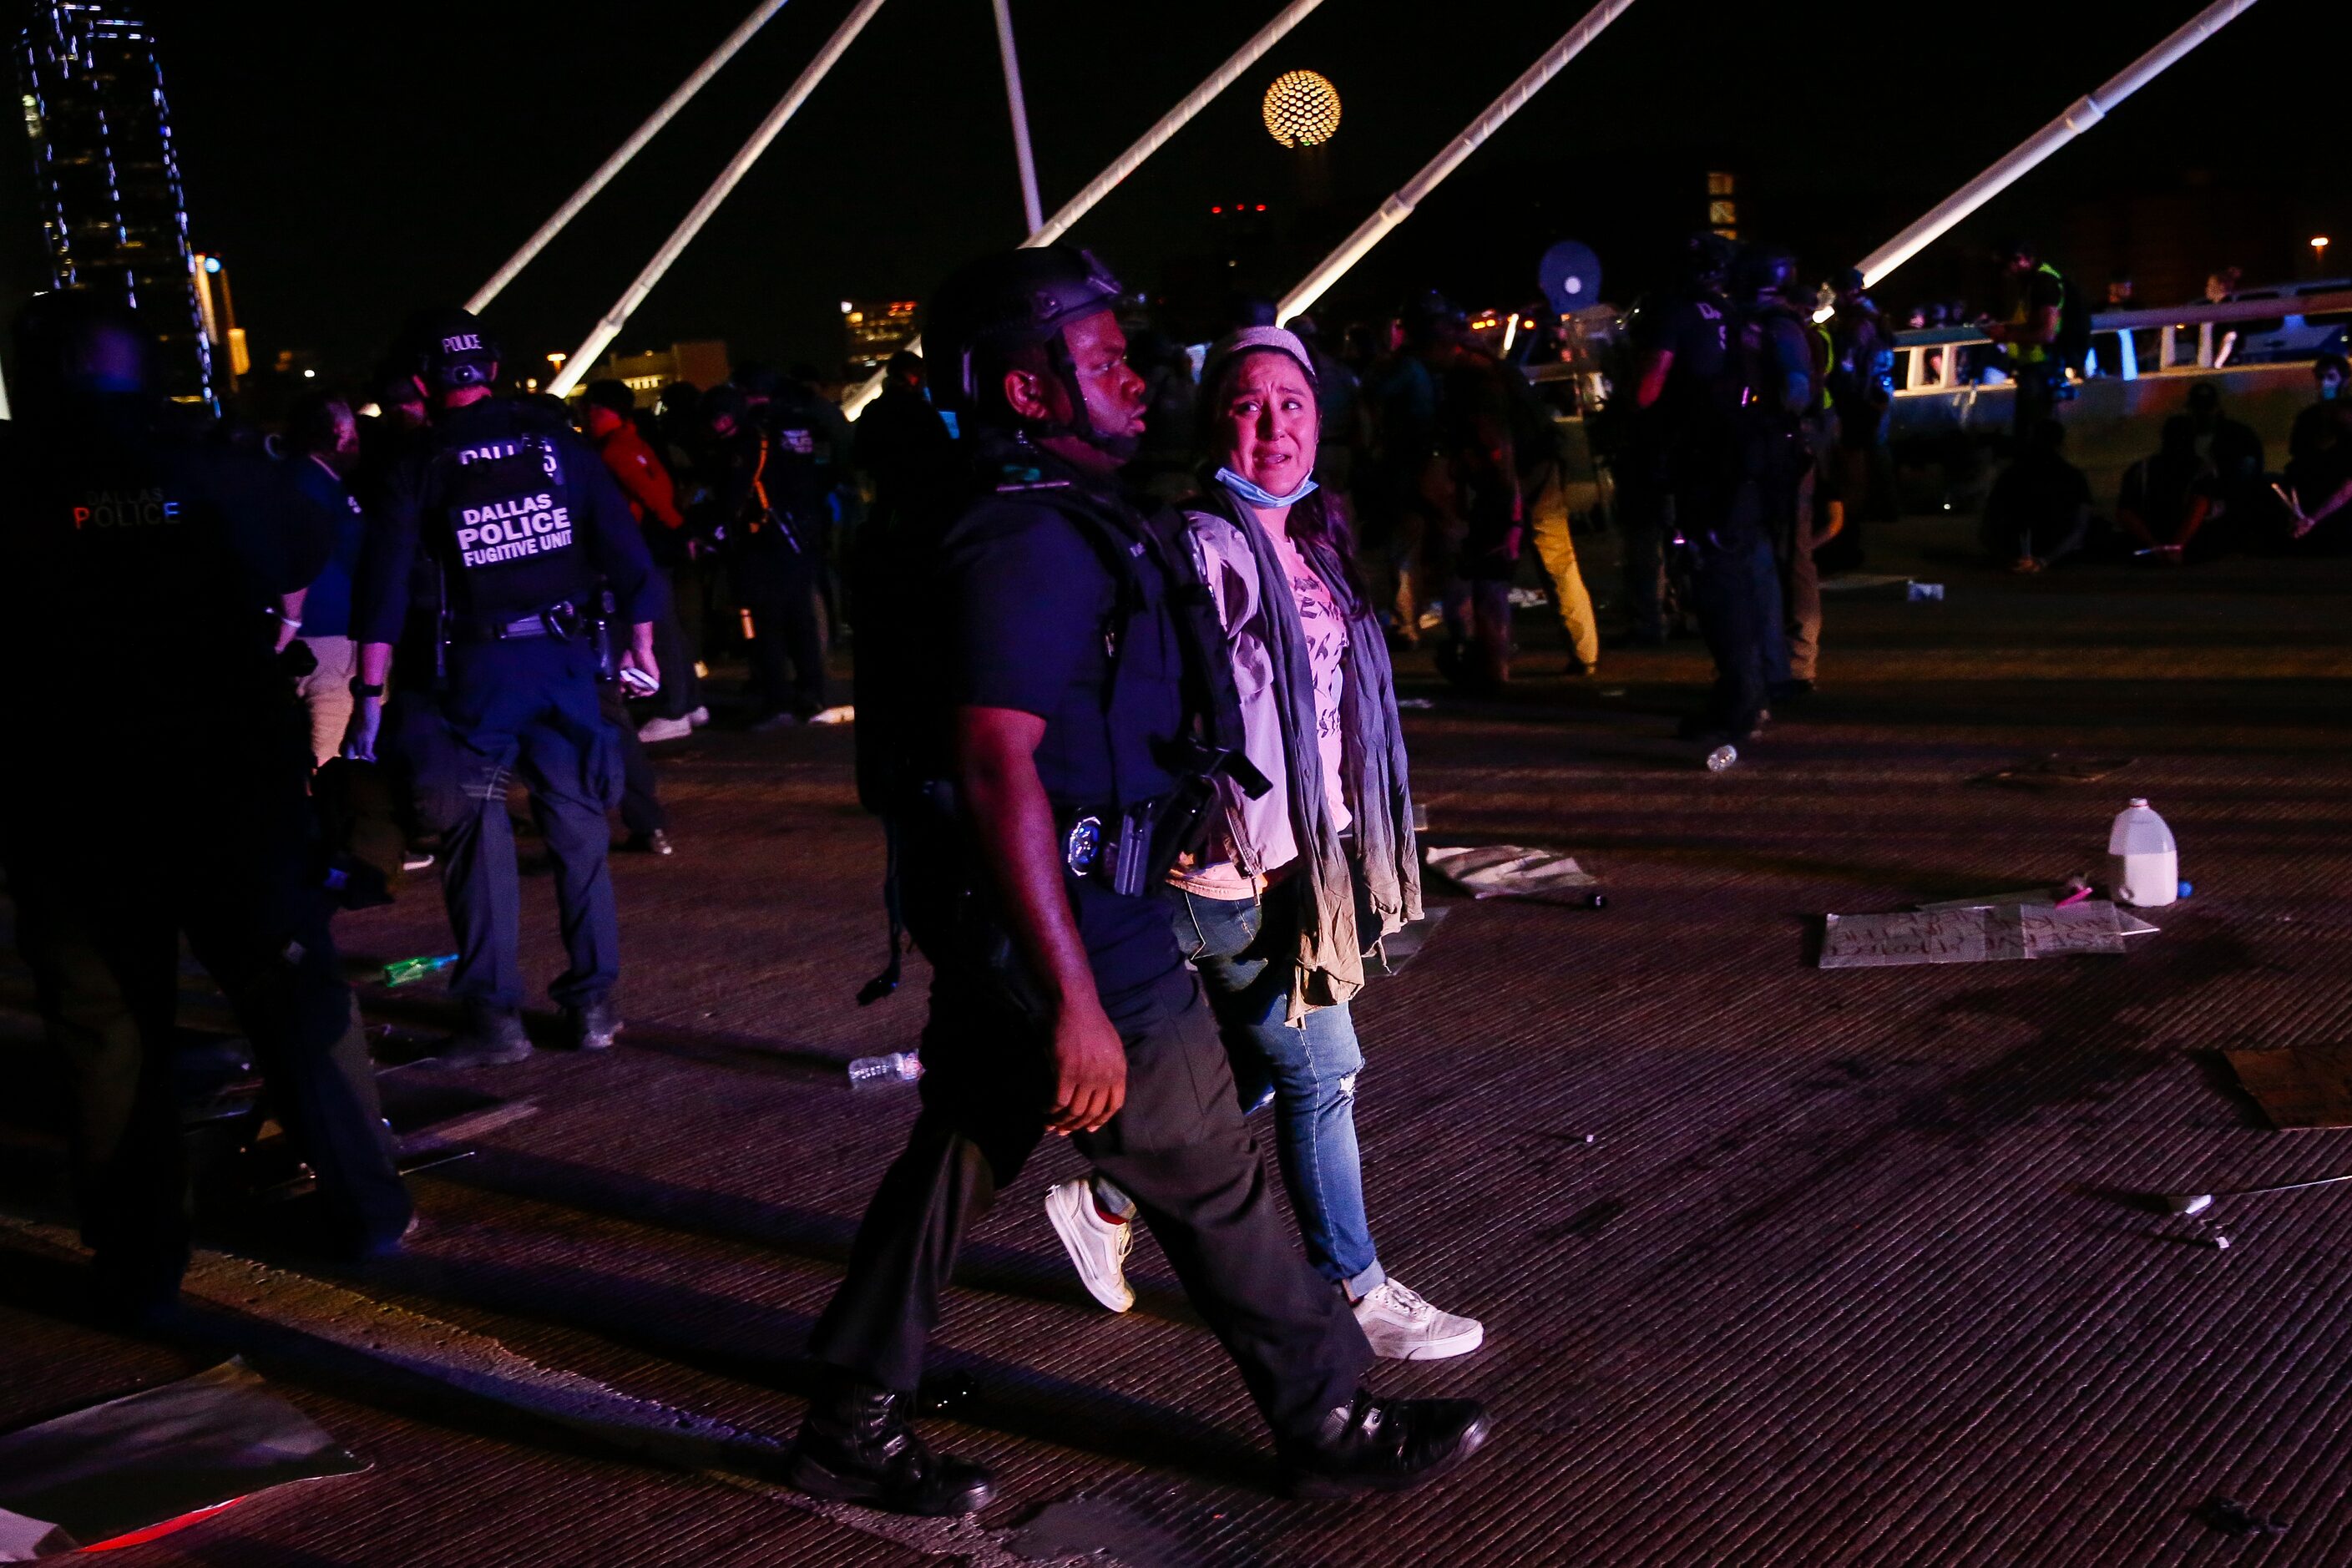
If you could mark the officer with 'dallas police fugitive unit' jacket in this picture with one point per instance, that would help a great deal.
(502, 537)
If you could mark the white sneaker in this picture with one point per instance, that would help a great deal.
(1097, 1247)
(654, 731)
(700, 716)
(1403, 1327)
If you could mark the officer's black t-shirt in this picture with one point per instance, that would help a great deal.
(1697, 331)
(520, 513)
(144, 566)
(1028, 616)
(1687, 423)
(1026, 608)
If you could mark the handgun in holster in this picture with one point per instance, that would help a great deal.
(1154, 836)
(599, 625)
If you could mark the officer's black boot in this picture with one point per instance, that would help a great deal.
(492, 1037)
(595, 1025)
(136, 1294)
(856, 1445)
(1384, 1445)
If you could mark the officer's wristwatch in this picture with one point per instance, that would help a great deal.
(365, 689)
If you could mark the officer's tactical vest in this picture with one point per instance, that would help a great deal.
(507, 541)
(895, 751)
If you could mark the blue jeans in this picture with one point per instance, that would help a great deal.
(1241, 948)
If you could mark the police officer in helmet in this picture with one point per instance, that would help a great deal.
(1718, 371)
(1044, 676)
(502, 537)
(150, 562)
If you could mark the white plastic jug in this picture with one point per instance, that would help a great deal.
(2144, 866)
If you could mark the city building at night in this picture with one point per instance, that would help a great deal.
(113, 216)
(704, 363)
(871, 331)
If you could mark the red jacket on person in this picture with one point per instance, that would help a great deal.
(642, 478)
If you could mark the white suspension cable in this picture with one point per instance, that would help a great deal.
(622, 154)
(2078, 117)
(1127, 163)
(1032, 213)
(584, 358)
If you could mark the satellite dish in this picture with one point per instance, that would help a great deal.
(1570, 276)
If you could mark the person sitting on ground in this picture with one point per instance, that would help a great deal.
(2039, 507)
(2315, 427)
(2232, 450)
(1268, 918)
(2167, 498)
(2318, 488)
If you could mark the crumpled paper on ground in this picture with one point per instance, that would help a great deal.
(1507, 870)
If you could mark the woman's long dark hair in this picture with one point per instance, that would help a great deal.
(1321, 518)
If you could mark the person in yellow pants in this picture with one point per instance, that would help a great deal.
(1556, 548)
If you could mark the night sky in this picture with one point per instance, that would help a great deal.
(354, 162)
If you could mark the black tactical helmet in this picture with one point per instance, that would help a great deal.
(453, 350)
(1706, 257)
(1763, 271)
(1005, 302)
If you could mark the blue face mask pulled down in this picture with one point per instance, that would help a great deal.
(1258, 495)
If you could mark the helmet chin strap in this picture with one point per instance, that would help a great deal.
(1120, 447)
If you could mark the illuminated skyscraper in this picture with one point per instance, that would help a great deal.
(871, 331)
(113, 216)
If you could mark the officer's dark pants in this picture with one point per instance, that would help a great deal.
(1642, 511)
(641, 807)
(104, 891)
(689, 591)
(1180, 1149)
(1735, 592)
(787, 638)
(527, 707)
(681, 689)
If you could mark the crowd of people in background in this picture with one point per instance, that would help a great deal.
(1123, 613)
(751, 495)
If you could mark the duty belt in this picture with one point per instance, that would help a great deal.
(563, 620)
(1109, 847)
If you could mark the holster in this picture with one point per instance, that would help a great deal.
(608, 657)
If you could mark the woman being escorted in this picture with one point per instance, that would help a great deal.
(1272, 924)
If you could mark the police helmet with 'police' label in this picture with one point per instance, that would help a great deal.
(453, 350)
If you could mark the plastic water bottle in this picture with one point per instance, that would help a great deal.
(409, 969)
(1925, 594)
(1721, 758)
(2144, 864)
(873, 1072)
